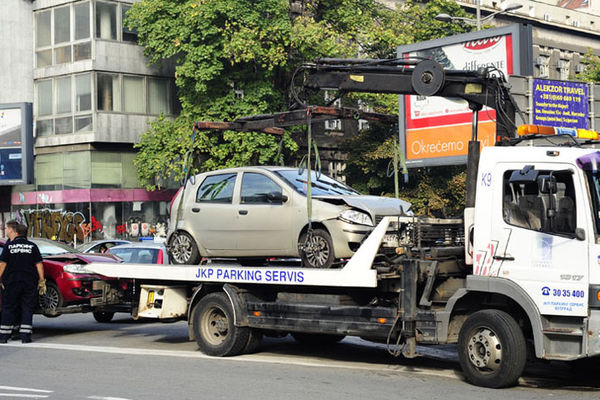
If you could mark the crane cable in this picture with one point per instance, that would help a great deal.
(186, 169)
(394, 167)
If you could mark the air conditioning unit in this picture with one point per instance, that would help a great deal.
(579, 68)
(576, 24)
(333, 125)
(547, 17)
(541, 60)
(561, 64)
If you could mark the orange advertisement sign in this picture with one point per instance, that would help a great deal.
(446, 141)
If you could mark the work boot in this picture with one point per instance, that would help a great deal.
(4, 338)
(26, 338)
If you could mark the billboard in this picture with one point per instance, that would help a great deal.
(560, 103)
(435, 130)
(16, 144)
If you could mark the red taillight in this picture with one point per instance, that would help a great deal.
(173, 200)
(159, 259)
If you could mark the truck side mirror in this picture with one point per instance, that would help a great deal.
(547, 184)
(579, 234)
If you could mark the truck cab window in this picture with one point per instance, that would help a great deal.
(524, 206)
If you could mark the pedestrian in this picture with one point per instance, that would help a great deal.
(21, 280)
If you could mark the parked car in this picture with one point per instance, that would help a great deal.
(96, 246)
(67, 283)
(256, 212)
(141, 253)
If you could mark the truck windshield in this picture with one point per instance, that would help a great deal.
(590, 163)
(320, 187)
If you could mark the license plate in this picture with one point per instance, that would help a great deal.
(151, 298)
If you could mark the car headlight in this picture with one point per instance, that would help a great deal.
(356, 217)
(75, 269)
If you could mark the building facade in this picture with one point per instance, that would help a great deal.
(93, 96)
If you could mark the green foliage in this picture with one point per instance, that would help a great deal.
(592, 67)
(235, 58)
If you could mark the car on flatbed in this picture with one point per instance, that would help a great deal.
(261, 212)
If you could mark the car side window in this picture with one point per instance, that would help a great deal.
(216, 189)
(255, 188)
(524, 206)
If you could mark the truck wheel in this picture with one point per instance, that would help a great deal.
(254, 339)
(103, 316)
(492, 349)
(316, 250)
(316, 339)
(51, 300)
(183, 249)
(214, 330)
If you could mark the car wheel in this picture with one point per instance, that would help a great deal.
(492, 349)
(214, 330)
(316, 249)
(51, 301)
(183, 249)
(103, 316)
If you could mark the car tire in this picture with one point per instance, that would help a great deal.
(103, 316)
(51, 301)
(317, 339)
(214, 328)
(183, 249)
(316, 251)
(492, 349)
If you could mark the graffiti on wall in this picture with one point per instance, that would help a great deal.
(54, 224)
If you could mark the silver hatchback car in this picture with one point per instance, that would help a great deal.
(261, 212)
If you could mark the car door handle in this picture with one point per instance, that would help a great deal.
(243, 212)
(504, 258)
(195, 209)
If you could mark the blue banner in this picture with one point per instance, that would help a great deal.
(560, 103)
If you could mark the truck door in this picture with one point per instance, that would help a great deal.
(534, 240)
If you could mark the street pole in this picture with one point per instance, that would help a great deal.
(478, 14)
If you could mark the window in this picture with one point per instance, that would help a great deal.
(133, 94)
(56, 97)
(255, 188)
(63, 35)
(158, 96)
(216, 189)
(128, 35)
(109, 93)
(524, 206)
(106, 21)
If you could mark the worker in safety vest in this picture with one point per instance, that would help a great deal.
(21, 280)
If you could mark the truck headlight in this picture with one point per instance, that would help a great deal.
(356, 217)
(75, 269)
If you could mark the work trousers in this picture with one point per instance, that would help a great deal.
(18, 296)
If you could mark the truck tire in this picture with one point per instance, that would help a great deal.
(317, 251)
(316, 339)
(183, 249)
(103, 316)
(214, 329)
(492, 349)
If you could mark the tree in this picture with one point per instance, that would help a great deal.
(592, 67)
(236, 58)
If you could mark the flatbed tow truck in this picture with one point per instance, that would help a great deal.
(518, 276)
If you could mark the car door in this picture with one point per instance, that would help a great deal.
(212, 214)
(540, 253)
(263, 224)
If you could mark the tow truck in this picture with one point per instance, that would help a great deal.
(519, 275)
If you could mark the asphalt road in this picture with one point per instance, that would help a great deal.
(74, 357)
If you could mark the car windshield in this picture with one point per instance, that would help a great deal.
(322, 186)
(48, 248)
(136, 255)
